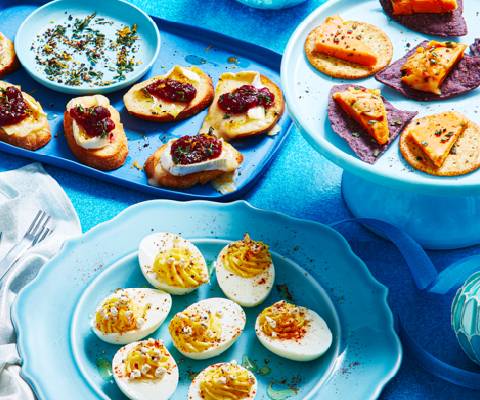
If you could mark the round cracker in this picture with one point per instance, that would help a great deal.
(374, 37)
(464, 159)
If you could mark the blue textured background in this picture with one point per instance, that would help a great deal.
(300, 183)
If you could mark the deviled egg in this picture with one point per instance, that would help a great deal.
(207, 328)
(293, 332)
(245, 271)
(223, 381)
(145, 370)
(130, 314)
(172, 263)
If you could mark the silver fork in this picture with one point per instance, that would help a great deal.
(36, 233)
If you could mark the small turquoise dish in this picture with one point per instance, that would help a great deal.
(117, 11)
(315, 267)
(466, 317)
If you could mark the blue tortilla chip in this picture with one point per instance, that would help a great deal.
(446, 24)
(464, 77)
(362, 144)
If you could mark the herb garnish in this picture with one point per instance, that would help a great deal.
(77, 52)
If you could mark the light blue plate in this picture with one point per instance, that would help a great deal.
(61, 355)
(118, 11)
(389, 190)
(306, 94)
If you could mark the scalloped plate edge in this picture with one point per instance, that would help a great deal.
(37, 386)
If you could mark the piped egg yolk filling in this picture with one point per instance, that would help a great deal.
(147, 360)
(226, 382)
(178, 267)
(195, 331)
(283, 320)
(120, 314)
(247, 258)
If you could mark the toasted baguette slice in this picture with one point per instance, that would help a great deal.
(145, 106)
(107, 158)
(8, 59)
(158, 176)
(236, 126)
(33, 132)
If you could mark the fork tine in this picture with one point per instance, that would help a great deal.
(43, 231)
(40, 223)
(39, 213)
(45, 235)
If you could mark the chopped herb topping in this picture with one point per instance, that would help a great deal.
(77, 52)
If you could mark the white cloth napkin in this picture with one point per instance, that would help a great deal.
(22, 193)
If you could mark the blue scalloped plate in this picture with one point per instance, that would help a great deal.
(63, 359)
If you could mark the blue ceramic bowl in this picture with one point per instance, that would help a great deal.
(118, 11)
(271, 4)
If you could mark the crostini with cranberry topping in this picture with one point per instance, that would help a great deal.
(95, 133)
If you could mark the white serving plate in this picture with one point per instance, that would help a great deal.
(307, 89)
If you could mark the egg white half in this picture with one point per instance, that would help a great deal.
(316, 341)
(232, 320)
(194, 390)
(161, 303)
(143, 389)
(248, 292)
(148, 250)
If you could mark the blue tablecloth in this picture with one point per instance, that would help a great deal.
(300, 183)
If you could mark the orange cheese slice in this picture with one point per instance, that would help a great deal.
(436, 134)
(408, 7)
(428, 67)
(337, 40)
(367, 108)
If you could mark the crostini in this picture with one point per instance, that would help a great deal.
(246, 103)
(8, 59)
(191, 160)
(176, 95)
(23, 123)
(94, 132)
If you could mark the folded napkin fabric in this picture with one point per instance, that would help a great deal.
(23, 192)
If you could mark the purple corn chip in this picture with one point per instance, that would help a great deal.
(362, 144)
(463, 78)
(475, 48)
(447, 24)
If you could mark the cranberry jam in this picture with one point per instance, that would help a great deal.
(95, 120)
(13, 108)
(172, 90)
(244, 98)
(195, 149)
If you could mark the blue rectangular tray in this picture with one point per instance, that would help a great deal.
(180, 44)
